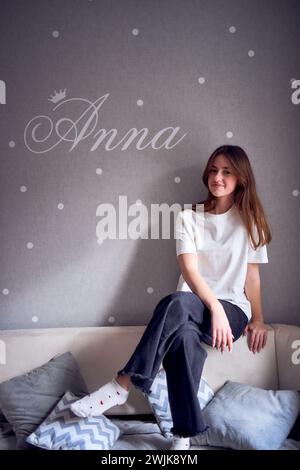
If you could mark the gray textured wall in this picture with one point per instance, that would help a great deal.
(179, 63)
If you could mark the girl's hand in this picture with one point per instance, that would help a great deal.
(258, 335)
(221, 331)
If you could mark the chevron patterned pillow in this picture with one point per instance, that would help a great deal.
(62, 430)
(159, 401)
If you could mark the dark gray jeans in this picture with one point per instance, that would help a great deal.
(173, 337)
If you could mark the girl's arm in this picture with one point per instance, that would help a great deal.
(221, 331)
(257, 328)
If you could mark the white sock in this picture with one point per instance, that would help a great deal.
(180, 443)
(98, 402)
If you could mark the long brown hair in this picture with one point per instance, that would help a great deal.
(245, 194)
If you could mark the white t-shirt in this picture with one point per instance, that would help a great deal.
(223, 248)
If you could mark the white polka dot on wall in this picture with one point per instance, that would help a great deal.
(35, 319)
(55, 34)
(251, 53)
(150, 290)
(111, 319)
(201, 80)
(138, 202)
(135, 31)
(140, 102)
(99, 241)
(177, 179)
(99, 171)
(229, 134)
(5, 291)
(23, 189)
(60, 206)
(12, 144)
(295, 192)
(30, 245)
(232, 29)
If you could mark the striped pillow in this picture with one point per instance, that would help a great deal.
(62, 430)
(158, 399)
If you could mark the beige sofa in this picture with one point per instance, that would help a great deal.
(101, 351)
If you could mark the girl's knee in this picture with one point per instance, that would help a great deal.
(176, 295)
(181, 297)
(172, 306)
(177, 307)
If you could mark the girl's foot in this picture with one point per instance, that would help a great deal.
(95, 404)
(180, 443)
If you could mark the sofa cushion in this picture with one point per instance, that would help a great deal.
(115, 344)
(62, 430)
(27, 399)
(287, 341)
(241, 365)
(245, 417)
(27, 349)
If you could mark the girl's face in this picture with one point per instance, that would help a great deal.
(221, 179)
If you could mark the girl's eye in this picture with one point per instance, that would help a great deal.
(213, 171)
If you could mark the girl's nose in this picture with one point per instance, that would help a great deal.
(218, 177)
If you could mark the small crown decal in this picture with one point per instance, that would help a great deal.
(58, 96)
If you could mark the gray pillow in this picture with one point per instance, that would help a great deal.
(244, 417)
(27, 399)
(7, 436)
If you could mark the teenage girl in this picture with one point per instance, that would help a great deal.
(218, 296)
